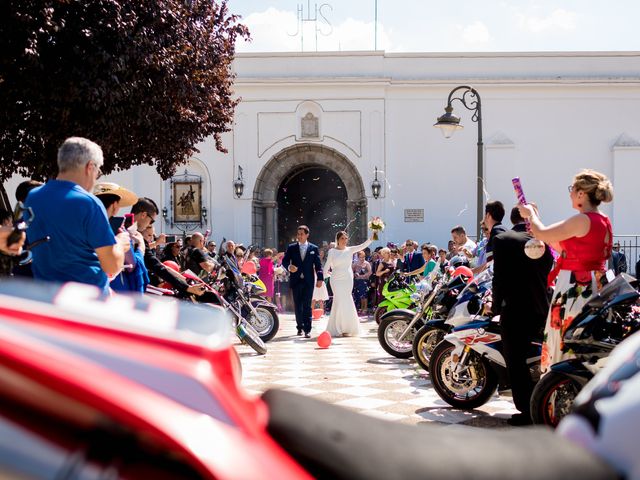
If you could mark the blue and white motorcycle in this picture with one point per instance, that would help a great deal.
(469, 306)
(467, 366)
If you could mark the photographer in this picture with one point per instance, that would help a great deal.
(8, 253)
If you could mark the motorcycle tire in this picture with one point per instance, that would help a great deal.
(425, 341)
(389, 329)
(247, 334)
(266, 325)
(445, 385)
(378, 313)
(552, 398)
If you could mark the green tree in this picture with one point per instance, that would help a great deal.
(145, 79)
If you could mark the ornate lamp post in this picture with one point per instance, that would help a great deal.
(449, 123)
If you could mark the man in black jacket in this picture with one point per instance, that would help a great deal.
(521, 299)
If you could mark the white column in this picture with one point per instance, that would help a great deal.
(626, 199)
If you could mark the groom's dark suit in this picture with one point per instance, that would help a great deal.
(302, 282)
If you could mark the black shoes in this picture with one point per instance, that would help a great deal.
(299, 332)
(307, 335)
(519, 420)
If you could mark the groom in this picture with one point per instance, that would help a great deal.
(301, 259)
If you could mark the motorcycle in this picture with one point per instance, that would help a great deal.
(398, 328)
(397, 295)
(228, 286)
(227, 293)
(469, 304)
(261, 314)
(605, 320)
(467, 366)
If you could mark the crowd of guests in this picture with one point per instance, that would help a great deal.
(89, 247)
(372, 269)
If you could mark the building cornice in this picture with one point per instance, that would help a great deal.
(382, 54)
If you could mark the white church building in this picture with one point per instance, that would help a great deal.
(314, 130)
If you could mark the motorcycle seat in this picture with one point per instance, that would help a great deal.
(335, 443)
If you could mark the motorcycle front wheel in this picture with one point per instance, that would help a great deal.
(265, 322)
(389, 332)
(427, 338)
(471, 387)
(247, 334)
(552, 398)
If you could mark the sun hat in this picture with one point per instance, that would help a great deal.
(127, 198)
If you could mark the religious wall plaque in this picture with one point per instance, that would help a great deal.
(413, 215)
(186, 202)
(309, 127)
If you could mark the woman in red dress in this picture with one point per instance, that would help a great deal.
(584, 243)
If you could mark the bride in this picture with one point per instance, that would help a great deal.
(344, 318)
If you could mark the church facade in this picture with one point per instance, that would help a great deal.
(314, 131)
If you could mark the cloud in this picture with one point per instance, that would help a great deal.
(274, 31)
(476, 33)
(271, 31)
(358, 35)
(559, 19)
(474, 36)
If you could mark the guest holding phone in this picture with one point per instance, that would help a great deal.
(134, 277)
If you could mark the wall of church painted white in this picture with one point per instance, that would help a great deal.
(545, 116)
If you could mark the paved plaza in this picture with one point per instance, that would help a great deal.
(356, 373)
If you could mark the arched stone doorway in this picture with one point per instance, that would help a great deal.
(315, 196)
(291, 163)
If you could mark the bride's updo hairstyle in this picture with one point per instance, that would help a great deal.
(594, 184)
(340, 235)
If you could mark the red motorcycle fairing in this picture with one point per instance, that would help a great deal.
(159, 380)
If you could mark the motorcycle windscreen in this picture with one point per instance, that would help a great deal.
(621, 285)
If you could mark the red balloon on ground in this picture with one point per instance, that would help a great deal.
(316, 313)
(324, 339)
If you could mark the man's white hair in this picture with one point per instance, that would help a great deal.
(76, 152)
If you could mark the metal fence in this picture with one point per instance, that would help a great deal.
(630, 246)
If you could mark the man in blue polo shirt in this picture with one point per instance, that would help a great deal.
(83, 247)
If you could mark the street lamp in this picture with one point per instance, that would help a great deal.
(449, 123)
(376, 186)
(238, 184)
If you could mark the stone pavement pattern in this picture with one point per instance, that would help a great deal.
(356, 373)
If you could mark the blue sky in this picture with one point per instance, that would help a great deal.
(444, 26)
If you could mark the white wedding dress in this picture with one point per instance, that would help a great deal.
(344, 317)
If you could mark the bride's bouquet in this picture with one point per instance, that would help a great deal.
(377, 225)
